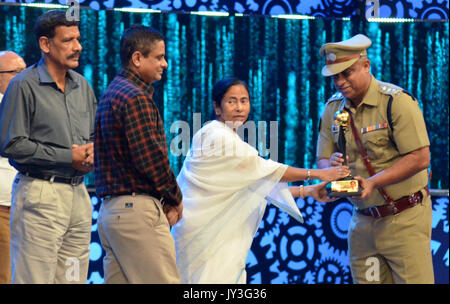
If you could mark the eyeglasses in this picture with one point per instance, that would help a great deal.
(12, 72)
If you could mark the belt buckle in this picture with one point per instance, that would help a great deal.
(75, 181)
(414, 199)
(372, 213)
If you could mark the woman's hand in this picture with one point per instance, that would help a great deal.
(319, 193)
(334, 173)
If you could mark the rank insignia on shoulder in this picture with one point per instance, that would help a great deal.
(336, 96)
(390, 90)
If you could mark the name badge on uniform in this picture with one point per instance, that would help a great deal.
(334, 128)
(374, 128)
(128, 205)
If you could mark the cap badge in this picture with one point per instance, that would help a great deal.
(331, 56)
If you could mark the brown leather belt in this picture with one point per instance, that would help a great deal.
(5, 208)
(399, 205)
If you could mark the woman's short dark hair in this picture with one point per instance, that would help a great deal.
(46, 23)
(137, 38)
(222, 86)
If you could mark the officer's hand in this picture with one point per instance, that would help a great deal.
(337, 159)
(368, 187)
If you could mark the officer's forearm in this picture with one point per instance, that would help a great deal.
(409, 165)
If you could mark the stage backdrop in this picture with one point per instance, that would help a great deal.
(418, 9)
(280, 61)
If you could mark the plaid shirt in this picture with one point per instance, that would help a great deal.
(130, 146)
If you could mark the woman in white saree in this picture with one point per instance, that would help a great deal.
(224, 184)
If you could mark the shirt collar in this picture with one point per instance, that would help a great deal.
(135, 79)
(45, 76)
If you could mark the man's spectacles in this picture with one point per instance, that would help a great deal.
(12, 72)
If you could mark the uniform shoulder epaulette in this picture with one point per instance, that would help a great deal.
(393, 90)
(336, 96)
(390, 89)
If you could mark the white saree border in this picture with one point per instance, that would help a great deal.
(282, 198)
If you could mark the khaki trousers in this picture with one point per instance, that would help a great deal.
(50, 231)
(5, 257)
(393, 249)
(135, 234)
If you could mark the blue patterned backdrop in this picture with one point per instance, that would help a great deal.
(279, 59)
(286, 252)
(316, 252)
(418, 9)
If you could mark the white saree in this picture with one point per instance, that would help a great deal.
(224, 184)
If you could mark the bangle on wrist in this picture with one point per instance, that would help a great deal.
(301, 191)
(309, 175)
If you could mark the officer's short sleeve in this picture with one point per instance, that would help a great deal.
(325, 143)
(410, 132)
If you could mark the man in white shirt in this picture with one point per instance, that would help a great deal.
(11, 64)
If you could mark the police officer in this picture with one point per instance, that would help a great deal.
(387, 150)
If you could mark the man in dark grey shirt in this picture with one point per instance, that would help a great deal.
(47, 119)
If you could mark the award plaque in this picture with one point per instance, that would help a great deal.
(344, 187)
(347, 186)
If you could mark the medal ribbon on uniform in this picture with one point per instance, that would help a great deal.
(373, 128)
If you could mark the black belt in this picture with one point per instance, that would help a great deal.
(74, 181)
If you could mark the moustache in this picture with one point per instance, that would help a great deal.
(77, 54)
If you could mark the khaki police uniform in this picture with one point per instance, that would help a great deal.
(394, 248)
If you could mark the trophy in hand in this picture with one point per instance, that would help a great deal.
(347, 186)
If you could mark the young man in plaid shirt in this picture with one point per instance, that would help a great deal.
(141, 198)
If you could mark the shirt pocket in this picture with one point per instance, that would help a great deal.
(377, 144)
(82, 126)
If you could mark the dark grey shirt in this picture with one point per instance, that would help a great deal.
(39, 123)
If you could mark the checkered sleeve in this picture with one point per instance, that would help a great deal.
(148, 147)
